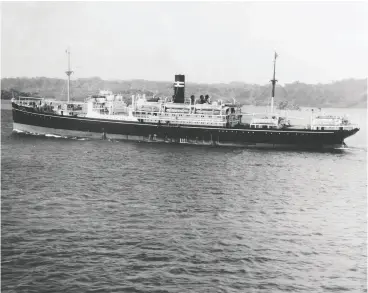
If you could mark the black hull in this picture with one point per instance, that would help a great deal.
(29, 120)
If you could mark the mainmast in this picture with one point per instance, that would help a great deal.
(273, 81)
(68, 73)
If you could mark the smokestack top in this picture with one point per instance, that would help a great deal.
(180, 77)
(179, 87)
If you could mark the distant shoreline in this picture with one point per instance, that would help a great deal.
(348, 93)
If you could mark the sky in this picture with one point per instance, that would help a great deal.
(209, 42)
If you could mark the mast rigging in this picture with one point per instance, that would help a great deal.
(274, 80)
(68, 72)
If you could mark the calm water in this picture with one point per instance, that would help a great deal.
(102, 216)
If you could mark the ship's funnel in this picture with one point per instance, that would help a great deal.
(179, 87)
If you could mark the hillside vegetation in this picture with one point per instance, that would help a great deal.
(344, 93)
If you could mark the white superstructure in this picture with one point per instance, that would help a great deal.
(218, 113)
(331, 122)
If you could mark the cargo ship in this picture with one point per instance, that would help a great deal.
(176, 119)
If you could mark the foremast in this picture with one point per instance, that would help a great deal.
(273, 81)
(68, 73)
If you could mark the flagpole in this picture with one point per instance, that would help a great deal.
(273, 81)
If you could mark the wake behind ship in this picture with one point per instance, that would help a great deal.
(176, 120)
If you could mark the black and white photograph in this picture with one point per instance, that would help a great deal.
(184, 146)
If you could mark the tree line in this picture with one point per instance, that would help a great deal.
(343, 93)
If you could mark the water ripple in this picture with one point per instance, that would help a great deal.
(103, 216)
